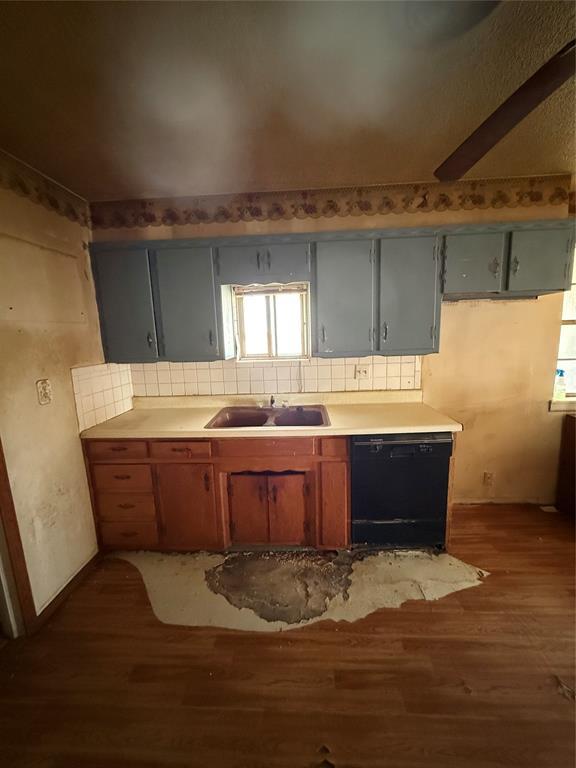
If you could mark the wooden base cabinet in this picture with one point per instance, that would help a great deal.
(187, 506)
(267, 508)
(182, 495)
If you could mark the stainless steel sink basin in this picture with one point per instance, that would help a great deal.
(249, 416)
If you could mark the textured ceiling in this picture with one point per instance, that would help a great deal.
(159, 99)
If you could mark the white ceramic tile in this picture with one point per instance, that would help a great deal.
(230, 388)
(230, 375)
(176, 366)
(110, 411)
(352, 385)
(324, 385)
(215, 364)
(338, 371)
(151, 390)
(338, 385)
(283, 374)
(162, 366)
(139, 390)
(217, 388)
(393, 369)
(270, 374)
(242, 373)
(163, 376)
(270, 387)
(138, 377)
(190, 375)
(243, 387)
(203, 376)
(177, 375)
(257, 387)
(164, 388)
(406, 382)
(393, 382)
(178, 388)
(190, 388)
(324, 373)
(204, 388)
(257, 374)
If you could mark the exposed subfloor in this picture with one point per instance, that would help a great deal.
(478, 679)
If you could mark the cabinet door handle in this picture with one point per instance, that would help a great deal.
(118, 448)
(274, 494)
(211, 338)
(122, 477)
(206, 481)
(258, 260)
(324, 334)
(126, 506)
(515, 265)
(384, 331)
(179, 450)
(268, 260)
(149, 339)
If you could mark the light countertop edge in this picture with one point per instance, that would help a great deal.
(345, 419)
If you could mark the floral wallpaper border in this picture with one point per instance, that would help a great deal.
(24, 181)
(328, 203)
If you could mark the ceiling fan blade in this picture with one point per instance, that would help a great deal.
(533, 92)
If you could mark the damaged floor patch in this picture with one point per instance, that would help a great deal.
(271, 592)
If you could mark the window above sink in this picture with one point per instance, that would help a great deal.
(272, 322)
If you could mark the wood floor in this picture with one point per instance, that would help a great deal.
(471, 681)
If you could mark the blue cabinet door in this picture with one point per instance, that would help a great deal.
(125, 306)
(185, 304)
(475, 263)
(344, 298)
(541, 260)
(280, 263)
(409, 296)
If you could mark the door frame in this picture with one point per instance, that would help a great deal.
(21, 600)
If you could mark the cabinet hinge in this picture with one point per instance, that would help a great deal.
(229, 488)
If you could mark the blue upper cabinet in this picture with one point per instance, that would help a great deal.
(475, 263)
(344, 295)
(124, 294)
(185, 301)
(245, 264)
(540, 260)
(409, 296)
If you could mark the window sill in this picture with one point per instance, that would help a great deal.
(567, 404)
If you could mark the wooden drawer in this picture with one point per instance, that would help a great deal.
(334, 446)
(180, 449)
(263, 446)
(122, 477)
(119, 507)
(99, 450)
(129, 535)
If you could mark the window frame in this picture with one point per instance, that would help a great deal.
(568, 322)
(270, 292)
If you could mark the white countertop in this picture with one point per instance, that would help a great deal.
(346, 418)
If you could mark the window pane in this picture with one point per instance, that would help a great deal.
(569, 368)
(569, 308)
(567, 341)
(255, 325)
(289, 325)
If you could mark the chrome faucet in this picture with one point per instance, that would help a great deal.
(272, 401)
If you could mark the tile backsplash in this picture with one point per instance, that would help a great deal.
(101, 392)
(230, 377)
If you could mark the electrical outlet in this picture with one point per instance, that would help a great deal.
(488, 478)
(361, 372)
(44, 389)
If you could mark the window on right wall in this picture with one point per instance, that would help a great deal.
(567, 350)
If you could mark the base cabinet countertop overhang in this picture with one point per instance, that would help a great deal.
(161, 481)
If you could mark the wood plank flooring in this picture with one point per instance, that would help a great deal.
(470, 681)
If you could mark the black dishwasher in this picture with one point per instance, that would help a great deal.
(400, 489)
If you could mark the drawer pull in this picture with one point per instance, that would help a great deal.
(122, 477)
(126, 506)
(179, 450)
(129, 534)
(206, 481)
(119, 448)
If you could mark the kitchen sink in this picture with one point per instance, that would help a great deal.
(290, 416)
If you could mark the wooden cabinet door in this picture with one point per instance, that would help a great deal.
(248, 507)
(188, 506)
(409, 295)
(474, 263)
(345, 298)
(335, 517)
(124, 293)
(287, 509)
(540, 260)
(185, 301)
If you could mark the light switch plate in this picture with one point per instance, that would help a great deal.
(44, 389)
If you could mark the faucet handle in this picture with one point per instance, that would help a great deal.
(284, 403)
(272, 401)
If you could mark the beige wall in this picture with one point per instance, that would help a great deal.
(48, 323)
(495, 374)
